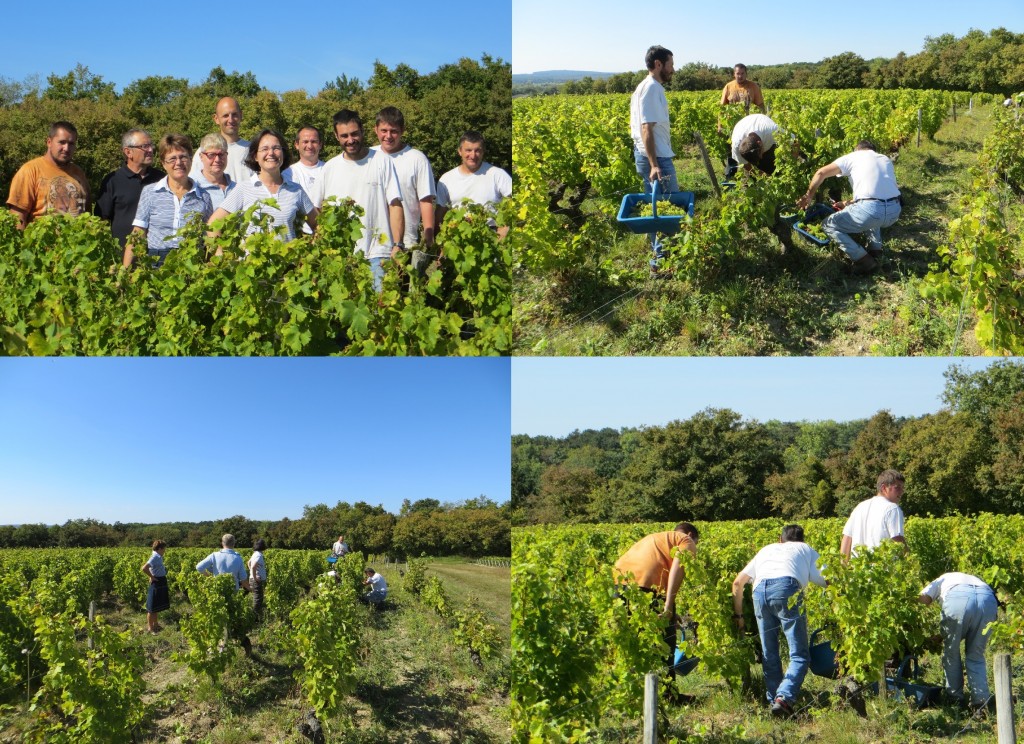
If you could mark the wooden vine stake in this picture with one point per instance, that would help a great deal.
(707, 162)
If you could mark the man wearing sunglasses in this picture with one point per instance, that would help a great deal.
(119, 192)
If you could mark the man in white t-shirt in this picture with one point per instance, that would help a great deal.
(228, 117)
(649, 129)
(474, 180)
(778, 572)
(753, 144)
(378, 587)
(368, 177)
(876, 203)
(968, 606)
(878, 518)
(306, 170)
(415, 176)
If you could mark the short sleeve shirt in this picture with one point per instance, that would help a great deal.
(871, 174)
(650, 559)
(156, 565)
(41, 186)
(257, 567)
(486, 186)
(119, 195)
(224, 561)
(758, 124)
(378, 584)
(872, 521)
(649, 105)
(291, 201)
(939, 588)
(416, 180)
(214, 191)
(778, 560)
(748, 92)
(372, 183)
(161, 214)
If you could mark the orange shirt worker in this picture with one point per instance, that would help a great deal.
(51, 182)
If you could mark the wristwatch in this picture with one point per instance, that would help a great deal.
(400, 246)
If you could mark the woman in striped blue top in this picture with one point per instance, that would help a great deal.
(158, 598)
(268, 156)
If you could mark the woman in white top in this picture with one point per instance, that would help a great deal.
(268, 156)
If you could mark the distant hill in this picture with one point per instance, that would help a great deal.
(547, 77)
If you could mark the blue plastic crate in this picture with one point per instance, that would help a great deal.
(667, 225)
(814, 213)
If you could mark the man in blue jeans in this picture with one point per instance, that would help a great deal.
(968, 605)
(876, 203)
(779, 571)
(649, 128)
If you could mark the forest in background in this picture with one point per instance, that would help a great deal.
(438, 107)
(966, 458)
(472, 528)
(979, 62)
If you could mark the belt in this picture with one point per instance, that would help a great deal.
(884, 201)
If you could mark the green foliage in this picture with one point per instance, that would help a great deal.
(326, 630)
(87, 695)
(218, 611)
(415, 576)
(129, 582)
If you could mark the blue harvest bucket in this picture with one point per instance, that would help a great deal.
(667, 225)
(332, 559)
(823, 658)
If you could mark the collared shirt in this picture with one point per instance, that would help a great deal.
(156, 565)
(214, 191)
(119, 198)
(789, 559)
(291, 200)
(161, 214)
(236, 168)
(224, 561)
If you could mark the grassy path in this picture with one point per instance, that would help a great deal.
(799, 300)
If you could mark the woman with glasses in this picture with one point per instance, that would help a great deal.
(166, 205)
(212, 177)
(268, 156)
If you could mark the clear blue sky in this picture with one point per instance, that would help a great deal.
(196, 439)
(556, 396)
(606, 36)
(286, 46)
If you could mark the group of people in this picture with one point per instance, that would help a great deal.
(781, 571)
(378, 586)
(876, 202)
(392, 182)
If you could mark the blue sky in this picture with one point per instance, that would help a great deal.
(556, 396)
(195, 439)
(286, 46)
(611, 36)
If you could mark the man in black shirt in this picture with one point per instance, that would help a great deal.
(120, 190)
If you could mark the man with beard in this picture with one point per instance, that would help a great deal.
(51, 182)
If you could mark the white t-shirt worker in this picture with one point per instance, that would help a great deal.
(649, 105)
(758, 124)
(878, 518)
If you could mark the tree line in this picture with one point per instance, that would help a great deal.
(979, 62)
(473, 528)
(966, 458)
(438, 108)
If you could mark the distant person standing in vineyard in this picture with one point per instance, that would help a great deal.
(779, 571)
(228, 116)
(119, 193)
(158, 597)
(876, 203)
(51, 182)
(649, 128)
(340, 547)
(226, 561)
(258, 576)
(652, 564)
(739, 90)
(474, 180)
(878, 518)
(968, 606)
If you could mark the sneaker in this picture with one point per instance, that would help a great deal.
(865, 265)
(781, 709)
(874, 251)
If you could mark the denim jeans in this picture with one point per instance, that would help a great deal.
(377, 269)
(773, 613)
(669, 184)
(966, 610)
(862, 216)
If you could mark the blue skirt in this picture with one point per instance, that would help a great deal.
(159, 596)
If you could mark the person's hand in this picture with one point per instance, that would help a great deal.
(740, 623)
(655, 174)
(842, 204)
(804, 201)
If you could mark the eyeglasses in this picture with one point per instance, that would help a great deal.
(271, 148)
(148, 148)
(214, 155)
(178, 159)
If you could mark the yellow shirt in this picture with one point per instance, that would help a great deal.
(650, 559)
(41, 186)
(747, 92)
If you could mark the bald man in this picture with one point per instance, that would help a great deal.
(228, 117)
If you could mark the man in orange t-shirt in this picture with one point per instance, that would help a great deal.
(741, 90)
(50, 183)
(653, 565)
